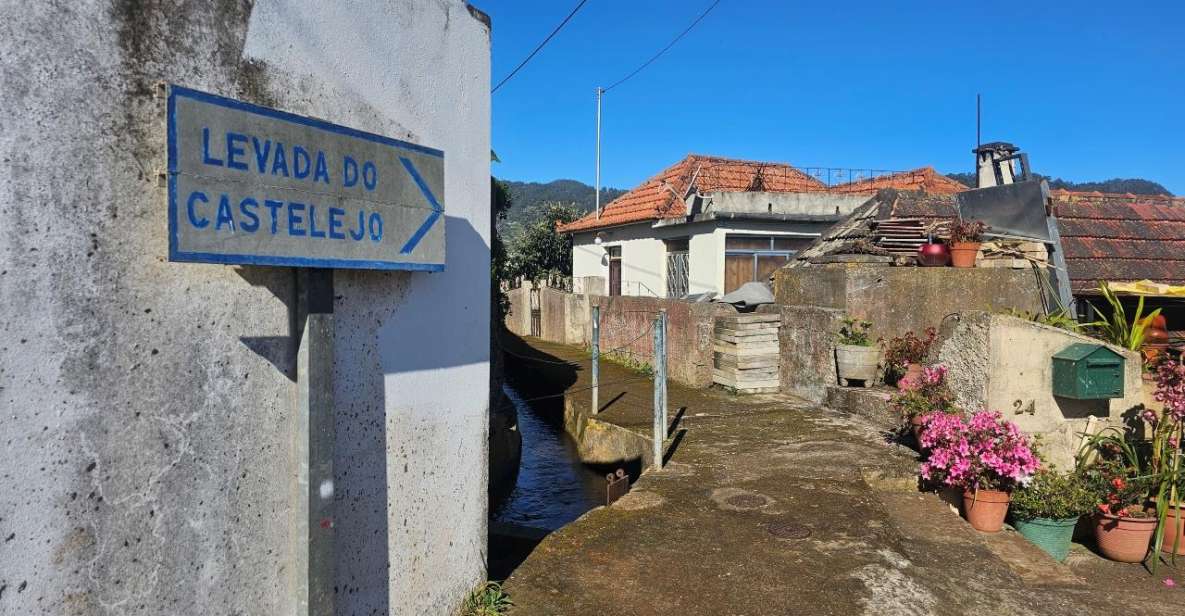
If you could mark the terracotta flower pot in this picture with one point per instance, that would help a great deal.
(915, 423)
(1174, 520)
(913, 374)
(1123, 539)
(986, 509)
(962, 254)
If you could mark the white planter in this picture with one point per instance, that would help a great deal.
(857, 363)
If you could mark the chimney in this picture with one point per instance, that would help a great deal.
(994, 164)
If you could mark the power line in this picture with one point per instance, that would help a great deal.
(532, 54)
(664, 49)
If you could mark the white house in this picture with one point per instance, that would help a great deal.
(711, 224)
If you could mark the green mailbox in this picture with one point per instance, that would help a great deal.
(1088, 372)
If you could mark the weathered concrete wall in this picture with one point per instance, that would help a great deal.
(901, 299)
(799, 203)
(149, 406)
(1004, 363)
(689, 333)
(625, 321)
(807, 342)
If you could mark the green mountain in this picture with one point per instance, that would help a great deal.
(529, 198)
(1135, 186)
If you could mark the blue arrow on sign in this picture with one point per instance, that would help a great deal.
(436, 207)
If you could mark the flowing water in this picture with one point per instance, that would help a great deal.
(553, 486)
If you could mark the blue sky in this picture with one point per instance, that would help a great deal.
(1090, 90)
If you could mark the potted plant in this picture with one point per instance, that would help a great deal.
(1116, 474)
(1046, 509)
(922, 397)
(855, 357)
(904, 356)
(983, 455)
(1117, 329)
(1168, 432)
(965, 239)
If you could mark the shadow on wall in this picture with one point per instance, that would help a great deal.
(389, 325)
(433, 358)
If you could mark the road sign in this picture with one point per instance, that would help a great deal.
(253, 185)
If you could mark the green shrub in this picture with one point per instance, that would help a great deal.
(488, 600)
(1053, 495)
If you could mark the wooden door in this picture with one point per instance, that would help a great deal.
(615, 276)
(738, 269)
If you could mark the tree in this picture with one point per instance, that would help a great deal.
(539, 250)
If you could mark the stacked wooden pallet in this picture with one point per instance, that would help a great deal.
(903, 236)
(746, 353)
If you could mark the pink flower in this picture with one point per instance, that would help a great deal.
(1169, 582)
(983, 450)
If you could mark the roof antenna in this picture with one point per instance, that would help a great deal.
(978, 141)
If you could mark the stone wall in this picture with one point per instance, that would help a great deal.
(149, 407)
(807, 342)
(1004, 363)
(626, 327)
(901, 299)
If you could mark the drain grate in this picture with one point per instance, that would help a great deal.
(789, 530)
(747, 501)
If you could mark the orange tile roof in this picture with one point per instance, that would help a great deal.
(1076, 196)
(925, 179)
(663, 196)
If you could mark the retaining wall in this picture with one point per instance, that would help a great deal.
(625, 327)
(1004, 363)
(901, 299)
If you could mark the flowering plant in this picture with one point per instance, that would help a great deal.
(904, 350)
(1168, 431)
(928, 394)
(1053, 495)
(1170, 388)
(983, 451)
(1112, 468)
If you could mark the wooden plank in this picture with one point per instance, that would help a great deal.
(724, 380)
(743, 340)
(745, 376)
(745, 351)
(746, 363)
(757, 317)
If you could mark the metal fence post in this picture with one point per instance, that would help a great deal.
(660, 423)
(663, 374)
(596, 359)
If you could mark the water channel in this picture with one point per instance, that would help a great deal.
(553, 486)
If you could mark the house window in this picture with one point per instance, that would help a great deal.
(614, 253)
(749, 258)
(677, 265)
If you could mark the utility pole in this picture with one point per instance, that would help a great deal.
(600, 91)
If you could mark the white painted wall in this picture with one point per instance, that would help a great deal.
(426, 359)
(706, 262)
(644, 251)
(643, 258)
(150, 405)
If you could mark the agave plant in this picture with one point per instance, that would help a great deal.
(1117, 329)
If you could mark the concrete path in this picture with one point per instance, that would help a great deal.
(771, 505)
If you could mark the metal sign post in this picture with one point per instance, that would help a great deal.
(596, 359)
(315, 438)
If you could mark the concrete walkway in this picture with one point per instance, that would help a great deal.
(771, 505)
